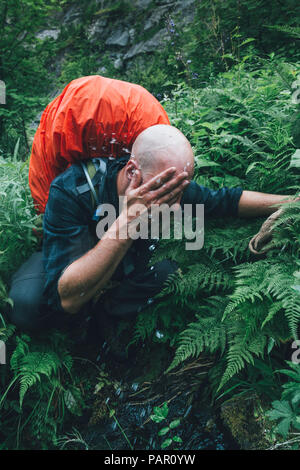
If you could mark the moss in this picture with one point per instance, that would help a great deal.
(240, 417)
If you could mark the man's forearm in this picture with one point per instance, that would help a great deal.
(85, 277)
(254, 204)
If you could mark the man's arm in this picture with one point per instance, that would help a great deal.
(255, 204)
(232, 201)
(87, 275)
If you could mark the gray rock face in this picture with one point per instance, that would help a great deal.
(148, 46)
(48, 33)
(118, 38)
(72, 15)
(118, 63)
(143, 4)
(156, 17)
(96, 29)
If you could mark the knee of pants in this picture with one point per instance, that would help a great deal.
(162, 270)
(27, 297)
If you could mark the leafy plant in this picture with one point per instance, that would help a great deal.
(160, 415)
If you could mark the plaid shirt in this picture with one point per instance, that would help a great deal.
(69, 231)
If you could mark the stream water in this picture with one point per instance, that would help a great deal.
(119, 413)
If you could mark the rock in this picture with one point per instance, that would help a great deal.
(96, 29)
(119, 38)
(131, 33)
(48, 33)
(72, 15)
(156, 17)
(101, 70)
(118, 63)
(143, 4)
(238, 415)
(147, 46)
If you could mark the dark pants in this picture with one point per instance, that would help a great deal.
(133, 294)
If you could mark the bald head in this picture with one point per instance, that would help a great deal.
(160, 147)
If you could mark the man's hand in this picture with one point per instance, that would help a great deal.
(164, 188)
(258, 243)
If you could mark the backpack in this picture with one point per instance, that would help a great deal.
(92, 116)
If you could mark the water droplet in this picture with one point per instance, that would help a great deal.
(152, 267)
(159, 334)
(107, 400)
(152, 247)
(135, 386)
(118, 391)
(150, 301)
(114, 425)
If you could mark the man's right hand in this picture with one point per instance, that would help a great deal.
(163, 188)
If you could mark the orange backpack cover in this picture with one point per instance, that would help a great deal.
(94, 116)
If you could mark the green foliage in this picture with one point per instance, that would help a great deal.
(46, 391)
(228, 82)
(17, 219)
(23, 67)
(235, 306)
(286, 411)
(160, 415)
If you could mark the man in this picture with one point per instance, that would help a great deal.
(78, 267)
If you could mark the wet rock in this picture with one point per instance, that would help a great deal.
(118, 63)
(156, 17)
(147, 46)
(72, 15)
(96, 29)
(143, 4)
(118, 38)
(48, 33)
(238, 417)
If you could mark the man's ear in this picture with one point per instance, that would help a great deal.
(133, 173)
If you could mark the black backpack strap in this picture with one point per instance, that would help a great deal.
(91, 168)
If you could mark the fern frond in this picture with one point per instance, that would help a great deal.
(241, 353)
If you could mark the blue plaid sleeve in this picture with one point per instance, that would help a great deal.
(220, 202)
(66, 237)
